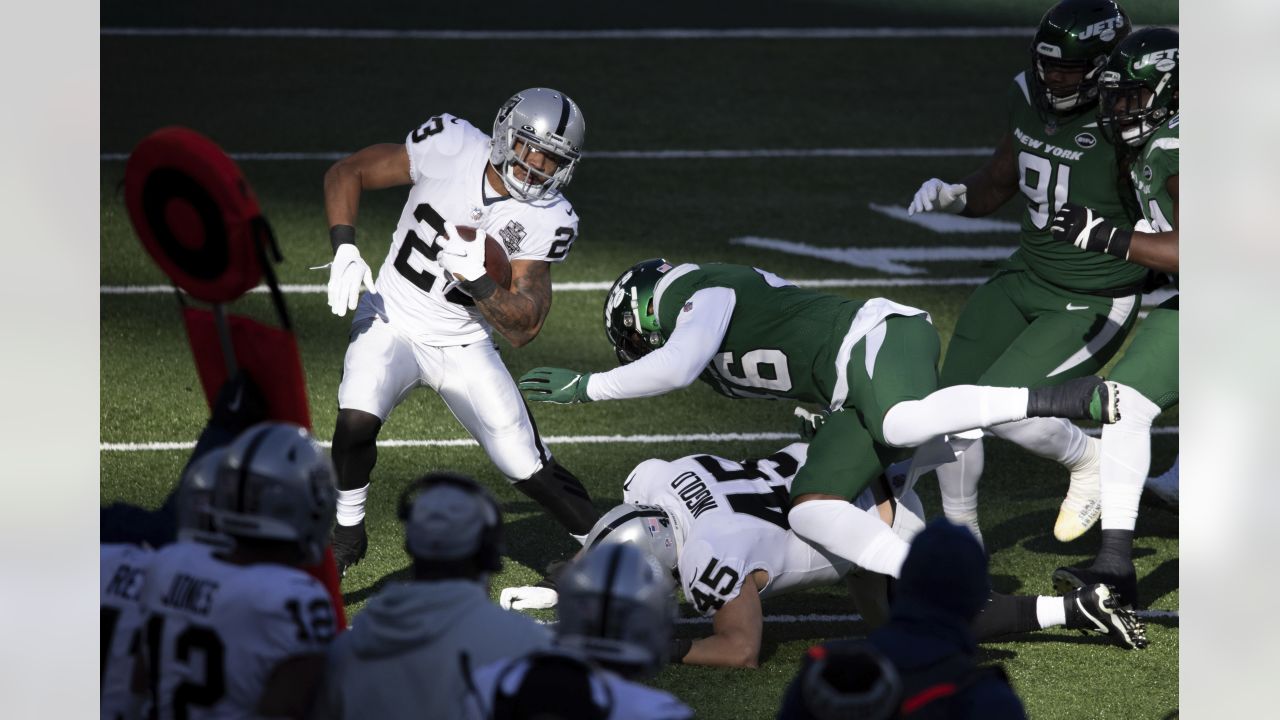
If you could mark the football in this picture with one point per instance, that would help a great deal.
(496, 264)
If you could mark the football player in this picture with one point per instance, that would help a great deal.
(1049, 314)
(720, 527)
(428, 320)
(615, 620)
(240, 631)
(872, 364)
(1138, 111)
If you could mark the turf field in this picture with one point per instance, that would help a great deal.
(927, 106)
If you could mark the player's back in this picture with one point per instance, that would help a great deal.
(215, 631)
(121, 577)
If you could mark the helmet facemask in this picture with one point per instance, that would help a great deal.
(1062, 98)
(630, 321)
(1126, 113)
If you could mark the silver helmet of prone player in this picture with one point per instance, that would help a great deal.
(537, 121)
(194, 497)
(618, 608)
(647, 527)
(277, 483)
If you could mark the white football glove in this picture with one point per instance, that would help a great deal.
(461, 259)
(937, 196)
(346, 272)
(528, 598)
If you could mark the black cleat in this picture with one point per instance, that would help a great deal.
(1094, 608)
(350, 543)
(1086, 398)
(1123, 581)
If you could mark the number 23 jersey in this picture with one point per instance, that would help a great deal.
(447, 161)
(214, 631)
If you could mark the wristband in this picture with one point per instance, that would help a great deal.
(480, 288)
(340, 235)
(679, 648)
(1119, 244)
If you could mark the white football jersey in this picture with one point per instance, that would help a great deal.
(731, 520)
(214, 631)
(122, 573)
(447, 161)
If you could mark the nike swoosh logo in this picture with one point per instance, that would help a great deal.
(569, 212)
(1077, 307)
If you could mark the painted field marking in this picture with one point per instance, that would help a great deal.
(748, 154)
(818, 618)
(163, 445)
(865, 33)
(946, 222)
(890, 260)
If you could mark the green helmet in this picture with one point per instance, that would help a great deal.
(629, 318)
(1138, 91)
(1072, 44)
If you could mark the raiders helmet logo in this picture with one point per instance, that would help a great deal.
(507, 107)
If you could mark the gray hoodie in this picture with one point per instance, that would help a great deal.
(400, 659)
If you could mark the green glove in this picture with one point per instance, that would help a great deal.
(555, 385)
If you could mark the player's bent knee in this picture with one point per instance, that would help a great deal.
(355, 428)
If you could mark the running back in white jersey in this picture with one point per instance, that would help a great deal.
(731, 520)
(447, 161)
(121, 576)
(215, 631)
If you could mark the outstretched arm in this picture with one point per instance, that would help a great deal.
(991, 185)
(373, 168)
(737, 630)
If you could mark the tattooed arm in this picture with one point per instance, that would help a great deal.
(518, 314)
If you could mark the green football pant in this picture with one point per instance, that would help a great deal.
(1150, 364)
(1017, 330)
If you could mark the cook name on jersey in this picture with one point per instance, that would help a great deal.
(447, 161)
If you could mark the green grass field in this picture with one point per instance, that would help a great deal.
(268, 95)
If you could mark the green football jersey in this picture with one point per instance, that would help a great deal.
(1150, 172)
(782, 340)
(1059, 163)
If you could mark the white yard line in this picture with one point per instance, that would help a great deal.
(863, 33)
(818, 618)
(162, 445)
(751, 154)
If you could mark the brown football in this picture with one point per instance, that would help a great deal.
(496, 263)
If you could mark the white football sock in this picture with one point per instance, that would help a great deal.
(952, 410)
(1051, 611)
(1052, 438)
(1126, 459)
(958, 483)
(841, 528)
(351, 505)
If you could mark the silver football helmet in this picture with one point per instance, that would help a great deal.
(618, 608)
(194, 497)
(542, 121)
(648, 527)
(277, 483)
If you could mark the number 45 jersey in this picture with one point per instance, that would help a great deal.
(447, 161)
(731, 519)
(214, 631)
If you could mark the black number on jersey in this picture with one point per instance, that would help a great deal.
(718, 581)
(194, 639)
(425, 279)
(560, 246)
(317, 624)
(429, 128)
(770, 507)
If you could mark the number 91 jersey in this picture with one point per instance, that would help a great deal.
(731, 520)
(447, 161)
(214, 631)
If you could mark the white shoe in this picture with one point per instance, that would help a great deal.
(1165, 486)
(1083, 504)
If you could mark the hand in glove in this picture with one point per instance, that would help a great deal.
(1088, 230)
(346, 272)
(528, 598)
(555, 385)
(937, 196)
(462, 259)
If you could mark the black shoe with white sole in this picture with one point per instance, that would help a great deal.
(1094, 608)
